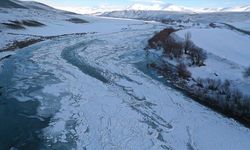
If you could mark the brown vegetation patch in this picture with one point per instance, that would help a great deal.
(77, 20)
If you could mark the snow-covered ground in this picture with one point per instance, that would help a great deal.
(55, 24)
(224, 43)
(96, 96)
(245, 25)
(152, 6)
(202, 18)
(228, 55)
(227, 44)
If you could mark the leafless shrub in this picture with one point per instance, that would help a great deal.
(159, 39)
(32, 23)
(77, 20)
(173, 48)
(223, 95)
(213, 84)
(188, 44)
(198, 56)
(199, 82)
(183, 72)
(246, 73)
(213, 25)
(225, 87)
(21, 44)
(14, 26)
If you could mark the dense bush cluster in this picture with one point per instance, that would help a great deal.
(223, 95)
(246, 73)
(173, 48)
(182, 71)
(198, 56)
(32, 23)
(16, 24)
(21, 44)
(173, 21)
(13, 26)
(159, 39)
(220, 95)
(77, 20)
(176, 49)
(217, 94)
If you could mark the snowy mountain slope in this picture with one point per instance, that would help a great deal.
(34, 5)
(160, 7)
(152, 7)
(159, 10)
(10, 4)
(245, 8)
(54, 22)
(176, 8)
(24, 4)
(194, 17)
(144, 15)
(90, 10)
(27, 5)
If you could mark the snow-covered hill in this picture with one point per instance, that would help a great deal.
(152, 7)
(23, 4)
(10, 4)
(16, 4)
(245, 8)
(180, 16)
(176, 8)
(160, 7)
(34, 5)
(34, 19)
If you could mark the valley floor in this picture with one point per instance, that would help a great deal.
(88, 92)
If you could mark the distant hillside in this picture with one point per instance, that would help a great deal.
(28, 5)
(10, 4)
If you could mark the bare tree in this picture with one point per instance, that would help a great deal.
(173, 48)
(168, 46)
(178, 49)
(246, 73)
(182, 71)
(188, 44)
(198, 56)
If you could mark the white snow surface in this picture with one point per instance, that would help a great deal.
(223, 43)
(130, 110)
(245, 25)
(178, 8)
(228, 55)
(153, 6)
(201, 18)
(227, 44)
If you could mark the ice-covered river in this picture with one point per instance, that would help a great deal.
(88, 92)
